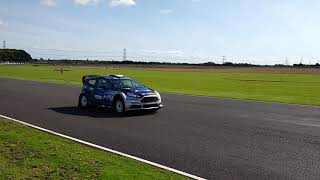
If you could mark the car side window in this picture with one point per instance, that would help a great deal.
(104, 84)
(91, 82)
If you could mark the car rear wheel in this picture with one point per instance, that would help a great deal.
(119, 106)
(83, 101)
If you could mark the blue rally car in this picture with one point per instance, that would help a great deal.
(119, 93)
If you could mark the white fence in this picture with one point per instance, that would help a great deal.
(12, 63)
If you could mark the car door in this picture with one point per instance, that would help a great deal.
(102, 91)
(89, 89)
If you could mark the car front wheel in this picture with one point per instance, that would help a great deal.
(119, 106)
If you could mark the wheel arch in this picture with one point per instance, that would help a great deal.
(118, 96)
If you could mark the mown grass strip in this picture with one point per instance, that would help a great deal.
(286, 88)
(27, 153)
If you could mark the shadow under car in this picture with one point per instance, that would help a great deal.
(97, 112)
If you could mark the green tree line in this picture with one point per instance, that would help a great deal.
(14, 55)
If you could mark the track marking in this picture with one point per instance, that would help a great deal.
(106, 149)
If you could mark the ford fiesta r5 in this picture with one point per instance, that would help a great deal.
(119, 93)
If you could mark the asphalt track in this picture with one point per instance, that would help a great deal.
(209, 137)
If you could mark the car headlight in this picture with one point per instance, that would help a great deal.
(158, 95)
(132, 95)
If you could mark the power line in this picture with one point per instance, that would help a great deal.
(72, 56)
(142, 57)
(65, 50)
(136, 56)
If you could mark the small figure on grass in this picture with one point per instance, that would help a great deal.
(61, 70)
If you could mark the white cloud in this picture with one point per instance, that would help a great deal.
(49, 3)
(166, 11)
(86, 2)
(115, 3)
(3, 24)
(161, 52)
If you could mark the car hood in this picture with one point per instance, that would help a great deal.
(142, 91)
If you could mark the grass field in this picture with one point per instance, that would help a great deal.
(26, 153)
(286, 87)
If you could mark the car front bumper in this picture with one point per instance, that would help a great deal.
(138, 105)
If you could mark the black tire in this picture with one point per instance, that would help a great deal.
(81, 103)
(116, 106)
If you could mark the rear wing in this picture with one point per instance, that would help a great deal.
(85, 78)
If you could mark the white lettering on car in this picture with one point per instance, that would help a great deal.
(97, 97)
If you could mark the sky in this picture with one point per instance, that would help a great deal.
(192, 31)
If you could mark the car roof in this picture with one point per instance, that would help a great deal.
(113, 77)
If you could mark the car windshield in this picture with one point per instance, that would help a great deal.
(127, 83)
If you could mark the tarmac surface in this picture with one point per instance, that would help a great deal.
(213, 138)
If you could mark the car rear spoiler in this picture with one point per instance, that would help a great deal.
(84, 78)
